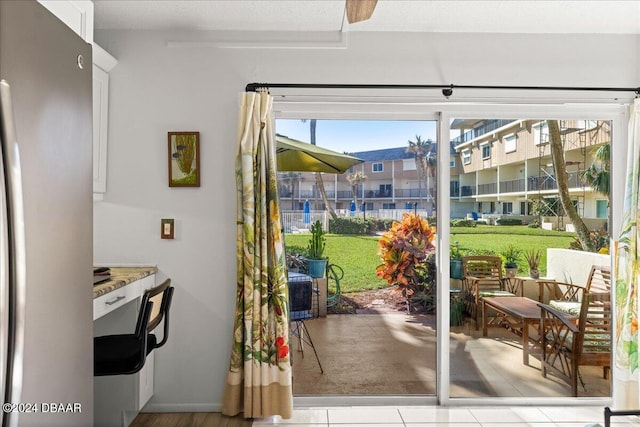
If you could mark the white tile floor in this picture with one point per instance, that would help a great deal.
(419, 416)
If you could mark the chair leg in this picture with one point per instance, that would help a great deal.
(305, 330)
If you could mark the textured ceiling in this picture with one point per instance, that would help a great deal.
(589, 17)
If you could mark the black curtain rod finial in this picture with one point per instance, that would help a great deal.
(253, 87)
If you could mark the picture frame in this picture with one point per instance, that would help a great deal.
(184, 159)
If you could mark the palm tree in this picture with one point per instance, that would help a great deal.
(292, 180)
(425, 166)
(355, 179)
(598, 175)
(559, 165)
(319, 181)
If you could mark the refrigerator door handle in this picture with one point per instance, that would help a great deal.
(15, 254)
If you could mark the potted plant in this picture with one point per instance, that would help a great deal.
(533, 257)
(511, 257)
(315, 261)
(455, 262)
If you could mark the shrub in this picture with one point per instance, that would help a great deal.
(425, 294)
(599, 238)
(406, 245)
(535, 223)
(462, 223)
(509, 221)
(379, 224)
(348, 226)
(295, 256)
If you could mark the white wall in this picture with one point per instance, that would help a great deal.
(156, 89)
(569, 266)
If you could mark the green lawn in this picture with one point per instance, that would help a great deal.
(496, 238)
(358, 255)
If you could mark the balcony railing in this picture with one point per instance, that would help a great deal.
(535, 183)
(490, 188)
(513, 186)
(468, 190)
(410, 193)
(486, 128)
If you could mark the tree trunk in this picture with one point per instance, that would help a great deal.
(319, 181)
(420, 171)
(354, 189)
(557, 156)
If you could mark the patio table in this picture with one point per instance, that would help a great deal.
(517, 314)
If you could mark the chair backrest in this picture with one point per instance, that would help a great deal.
(160, 297)
(599, 280)
(551, 290)
(482, 266)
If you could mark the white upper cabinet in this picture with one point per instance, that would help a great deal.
(77, 14)
(102, 64)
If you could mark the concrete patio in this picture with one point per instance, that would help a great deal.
(395, 354)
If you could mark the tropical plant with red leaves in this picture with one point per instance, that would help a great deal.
(402, 248)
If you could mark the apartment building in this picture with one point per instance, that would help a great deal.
(506, 167)
(391, 182)
(499, 167)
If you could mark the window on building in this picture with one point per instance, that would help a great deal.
(385, 190)
(523, 208)
(540, 133)
(452, 162)
(377, 167)
(388, 206)
(510, 143)
(486, 151)
(507, 208)
(602, 209)
(466, 157)
(408, 164)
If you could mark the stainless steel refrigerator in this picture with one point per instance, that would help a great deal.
(46, 217)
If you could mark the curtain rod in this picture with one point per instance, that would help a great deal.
(447, 90)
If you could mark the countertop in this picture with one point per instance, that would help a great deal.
(122, 276)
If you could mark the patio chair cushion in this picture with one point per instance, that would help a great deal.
(569, 307)
(593, 342)
(495, 293)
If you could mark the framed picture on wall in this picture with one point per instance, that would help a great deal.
(184, 159)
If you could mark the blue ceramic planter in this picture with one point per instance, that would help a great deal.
(317, 267)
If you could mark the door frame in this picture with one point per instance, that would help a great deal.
(368, 109)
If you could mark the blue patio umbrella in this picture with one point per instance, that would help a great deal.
(352, 208)
(306, 217)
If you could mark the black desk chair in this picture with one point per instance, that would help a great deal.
(300, 309)
(127, 353)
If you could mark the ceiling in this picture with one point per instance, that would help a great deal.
(479, 16)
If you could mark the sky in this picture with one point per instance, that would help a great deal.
(358, 135)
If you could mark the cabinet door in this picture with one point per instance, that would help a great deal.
(77, 14)
(100, 125)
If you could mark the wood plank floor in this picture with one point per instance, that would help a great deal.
(188, 419)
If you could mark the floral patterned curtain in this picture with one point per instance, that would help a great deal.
(259, 377)
(627, 274)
